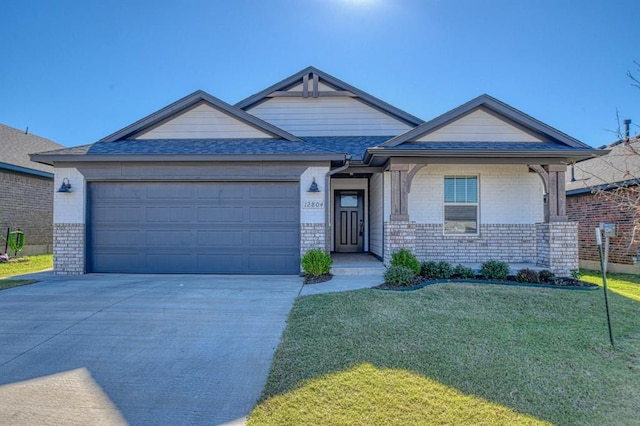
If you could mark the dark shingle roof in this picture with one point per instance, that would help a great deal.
(484, 146)
(204, 146)
(356, 146)
(16, 145)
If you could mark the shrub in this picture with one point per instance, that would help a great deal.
(463, 271)
(316, 262)
(494, 270)
(399, 275)
(527, 276)
(436, 270)
(546, 276)
(404, 257)
(575, 274)
(429, 269)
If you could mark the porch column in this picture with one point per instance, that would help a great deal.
(557, 196)
(399, 192)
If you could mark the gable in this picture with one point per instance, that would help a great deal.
(313, 103)
(479, 125)
(203, 121)
(327, 116)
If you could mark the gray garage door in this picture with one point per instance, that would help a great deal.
(194, 227)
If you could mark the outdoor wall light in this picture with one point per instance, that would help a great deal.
(314, 186)
(66, 186)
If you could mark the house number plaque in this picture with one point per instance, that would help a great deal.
(313, 205)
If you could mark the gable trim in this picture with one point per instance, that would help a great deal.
(492, 105)
(188, 102)
(342, 88)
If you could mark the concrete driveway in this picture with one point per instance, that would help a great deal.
(139, 349)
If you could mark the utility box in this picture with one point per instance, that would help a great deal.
(608, 229)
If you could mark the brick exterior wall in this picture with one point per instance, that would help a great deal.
(513, 243)
(312, 235)
(591, 209)
(27, 203)
(557, 248)
(69, 248)
(398, 235)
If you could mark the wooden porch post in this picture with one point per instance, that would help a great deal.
(399, 192)
(557, 196)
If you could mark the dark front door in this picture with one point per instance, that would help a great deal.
(349, 221)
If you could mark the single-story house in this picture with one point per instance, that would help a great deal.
(26, 190)
(606, 189)
(202, 186)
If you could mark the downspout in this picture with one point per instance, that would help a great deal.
(327, 201)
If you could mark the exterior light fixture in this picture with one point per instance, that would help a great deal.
(314, 186)
(66, 186)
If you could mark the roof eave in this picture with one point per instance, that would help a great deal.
(189, 101)
(26, 170)
(52, 159)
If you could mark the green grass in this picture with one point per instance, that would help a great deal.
(455, 354)
(625, 284)
(28, 265)
(5, 284)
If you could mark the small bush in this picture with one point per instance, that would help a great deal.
(404, 257)
(316, 262)
(436, 270)
(429, 269)
(399, 275)
(462, 271)
(546, 276)
(494, 270)
(527, 276)
(575, 274)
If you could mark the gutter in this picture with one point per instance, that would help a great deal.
(327, 197)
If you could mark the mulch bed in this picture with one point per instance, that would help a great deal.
(310, 279)
(564, 282)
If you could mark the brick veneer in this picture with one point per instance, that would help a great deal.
(27, 203)
(591, 209)
(312, 235)
(557, 248)
(398, 235)
(512, 243)
(68, 253)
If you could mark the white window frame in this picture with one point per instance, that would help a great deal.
(445, 204)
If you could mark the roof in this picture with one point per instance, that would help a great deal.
(189, 101)
(338, 84)
(619, 167)
(492, 104)
(17, 145)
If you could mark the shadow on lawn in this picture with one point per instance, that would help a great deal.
(540, 352)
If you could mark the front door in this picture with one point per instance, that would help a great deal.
(349, 221)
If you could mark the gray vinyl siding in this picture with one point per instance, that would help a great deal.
(327, 117)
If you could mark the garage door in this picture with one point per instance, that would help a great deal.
(194, 227)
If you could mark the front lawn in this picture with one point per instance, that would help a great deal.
(26, 265)
(456, 354)
(625, 284)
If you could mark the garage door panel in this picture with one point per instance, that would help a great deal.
(209, 227)
(221, 214)
(168, 214)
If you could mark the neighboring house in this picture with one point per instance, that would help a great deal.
(590, 201)
(202, 186)
(26, 190)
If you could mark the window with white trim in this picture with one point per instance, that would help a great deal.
(461, 205)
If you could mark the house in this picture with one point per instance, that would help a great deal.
(605, 190)
(202, 186)
(26, 190)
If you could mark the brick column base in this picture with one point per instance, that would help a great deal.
(68, 248)
(557, 247)
(398, 235)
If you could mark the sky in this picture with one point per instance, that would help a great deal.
(75, 71)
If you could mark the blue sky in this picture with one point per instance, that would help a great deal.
(75, 71)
